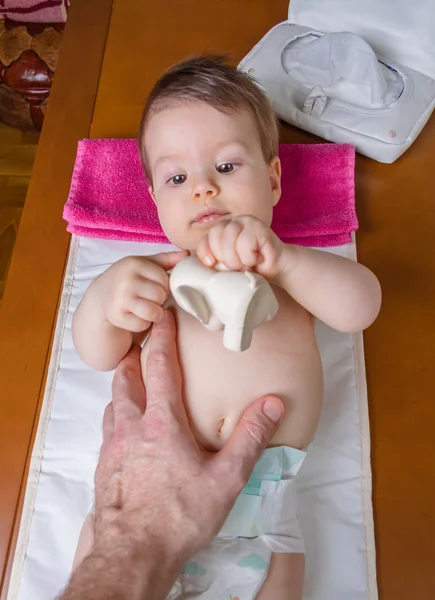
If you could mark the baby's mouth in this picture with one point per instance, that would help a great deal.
(209, 216)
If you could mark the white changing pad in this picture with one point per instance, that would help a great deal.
(334, 487)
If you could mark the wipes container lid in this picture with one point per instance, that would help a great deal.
(338, 76)
(400, 30)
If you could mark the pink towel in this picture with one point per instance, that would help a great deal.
(109, 196)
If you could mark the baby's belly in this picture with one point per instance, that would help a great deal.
(220, 384)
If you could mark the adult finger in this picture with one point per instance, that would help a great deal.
(108, 429)
(163, 368)
(254, 431)
(128, 391)
(108, 423)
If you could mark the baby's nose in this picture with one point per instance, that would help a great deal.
(205, 188)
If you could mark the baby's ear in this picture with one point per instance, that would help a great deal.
(275, 179)
(151, 193)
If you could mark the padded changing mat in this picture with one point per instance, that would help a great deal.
(334, 486)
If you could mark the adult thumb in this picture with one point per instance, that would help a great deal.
(168, 260)
(253, 433)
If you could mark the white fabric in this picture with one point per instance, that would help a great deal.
(333, 486)
(333, 86)
(402, 30)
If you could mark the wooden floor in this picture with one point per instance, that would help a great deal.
(17, 153)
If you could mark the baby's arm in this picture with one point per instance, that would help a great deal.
(98, 342)
(340, 292)
(119, 306)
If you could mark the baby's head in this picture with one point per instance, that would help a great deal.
(209, 143)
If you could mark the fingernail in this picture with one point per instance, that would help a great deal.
(208, 260)
(273, 409)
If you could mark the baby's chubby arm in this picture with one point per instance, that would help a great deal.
(119, 306)
(340, 292)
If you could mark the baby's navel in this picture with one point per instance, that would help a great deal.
(224, 428)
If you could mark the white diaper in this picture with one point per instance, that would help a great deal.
(262, 521)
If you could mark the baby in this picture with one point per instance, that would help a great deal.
(209, 145)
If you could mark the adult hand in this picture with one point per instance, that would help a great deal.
(160, 497)
(154, 484)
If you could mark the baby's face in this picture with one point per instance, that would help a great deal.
(206, 166)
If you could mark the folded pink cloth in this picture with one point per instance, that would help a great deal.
(109, 196)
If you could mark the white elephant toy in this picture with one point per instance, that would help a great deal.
(235, 301)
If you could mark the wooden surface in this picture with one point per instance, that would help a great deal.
(17, 153)
(396, 208)
(28, 310)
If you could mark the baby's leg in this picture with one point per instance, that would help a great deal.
(86, 541)
(285, 578)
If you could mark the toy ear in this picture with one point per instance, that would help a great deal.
(192, 302)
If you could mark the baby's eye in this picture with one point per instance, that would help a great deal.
(226, 167)
(177, 179)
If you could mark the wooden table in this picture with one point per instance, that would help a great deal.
(109, 61)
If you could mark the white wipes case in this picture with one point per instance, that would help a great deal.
(323, 71)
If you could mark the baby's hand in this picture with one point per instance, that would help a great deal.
(132, 291)
(241, 244)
